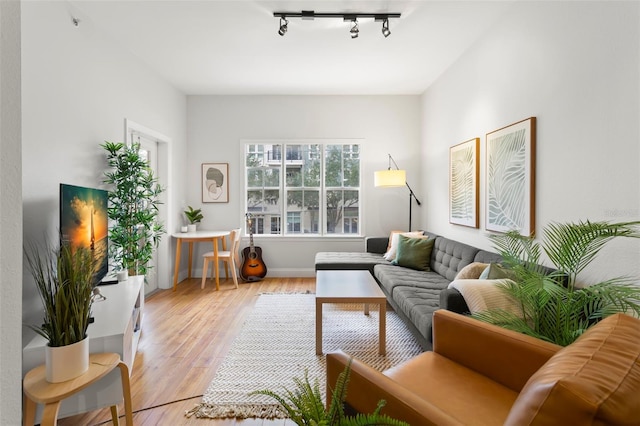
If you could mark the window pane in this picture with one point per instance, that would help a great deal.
(333, 166)
(340, 204)
(272, 176)
(311, 168)
(293, 222)
(255, 178)
(305, 204)
(351, 166)
(294, 176)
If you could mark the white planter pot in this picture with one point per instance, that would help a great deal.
(122, 276)
(191, 228)
(64, 363)
(184, 228)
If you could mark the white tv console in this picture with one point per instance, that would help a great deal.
(116, 328)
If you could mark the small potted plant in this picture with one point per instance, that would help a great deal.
(194, 216)
(64, 280)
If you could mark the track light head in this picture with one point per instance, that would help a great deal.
(283, 26)
(355, 31)
(385, 28)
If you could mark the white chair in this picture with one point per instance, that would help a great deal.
(230, 256)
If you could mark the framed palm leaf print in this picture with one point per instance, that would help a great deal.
(464, 171)
(510, 178)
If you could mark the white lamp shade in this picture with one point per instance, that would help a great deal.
(389, 178)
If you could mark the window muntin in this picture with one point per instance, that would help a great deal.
(315, 187)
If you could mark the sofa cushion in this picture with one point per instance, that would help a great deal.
(390, 255)
(338, 260)
(495, 271)
(418, 304)
(595, 380)
(472, 271)
(450, 386)
(390, 276)
(449, 257)
(414, 253)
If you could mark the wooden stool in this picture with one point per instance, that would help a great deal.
(38, 391)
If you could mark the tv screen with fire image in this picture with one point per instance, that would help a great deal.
(84, 223)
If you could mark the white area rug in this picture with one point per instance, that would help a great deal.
(277, 343)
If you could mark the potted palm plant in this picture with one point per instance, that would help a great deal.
(305, 407)
(556, 307)
(194, 216)
(133, 207)
(63, 279)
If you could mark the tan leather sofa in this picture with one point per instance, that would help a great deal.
(480, 374)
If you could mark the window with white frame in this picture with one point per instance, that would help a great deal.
(314, 187)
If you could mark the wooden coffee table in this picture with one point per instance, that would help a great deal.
(349, 287)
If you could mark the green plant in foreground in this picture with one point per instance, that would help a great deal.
(554, 308)
(64, 281)
(305, 407)
(133, 207)
(193, 215)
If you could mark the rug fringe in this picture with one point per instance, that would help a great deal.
(239, 411)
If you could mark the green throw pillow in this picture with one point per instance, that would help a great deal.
(496, 272)
(414, 253)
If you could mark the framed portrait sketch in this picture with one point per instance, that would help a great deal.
(510, 186)
(464, 172)
(215, 182)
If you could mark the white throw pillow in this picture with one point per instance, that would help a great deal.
(390, 255)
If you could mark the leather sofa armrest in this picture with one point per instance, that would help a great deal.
(452, 300)
(505, 356)
(376, 244)
(367, 386)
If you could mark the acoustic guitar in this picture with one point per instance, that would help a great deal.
(253, 267)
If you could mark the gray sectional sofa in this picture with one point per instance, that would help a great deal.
(414, 295)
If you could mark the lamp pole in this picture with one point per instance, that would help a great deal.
(411, 195)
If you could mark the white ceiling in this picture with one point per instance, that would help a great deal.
(233, 47)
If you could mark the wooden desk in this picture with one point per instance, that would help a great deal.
(198, 237)
(38, 391)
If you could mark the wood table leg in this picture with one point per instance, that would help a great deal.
(114, 415)
(318, 327)
(50, 414)
(383, 327)
(177, 267)
(190, 258)
(126, 392)
(29, 411)
(217, 266)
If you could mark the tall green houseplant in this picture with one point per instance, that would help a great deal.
(133, 207)
(556, 307)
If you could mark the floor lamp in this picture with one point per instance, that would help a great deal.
(393, 178)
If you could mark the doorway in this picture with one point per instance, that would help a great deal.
(154, 146)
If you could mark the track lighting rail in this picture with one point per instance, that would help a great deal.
(347, 17)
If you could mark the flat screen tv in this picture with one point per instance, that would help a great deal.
(84, 223)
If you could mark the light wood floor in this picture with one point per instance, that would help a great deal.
(185, 337)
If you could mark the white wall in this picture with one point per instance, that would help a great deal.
(387, 124)
(78, 87)
(576, 67)
(10, 216)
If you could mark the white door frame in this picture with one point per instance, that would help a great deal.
(164, 146)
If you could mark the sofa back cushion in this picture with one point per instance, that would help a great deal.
(448, 257)
(595, 380)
